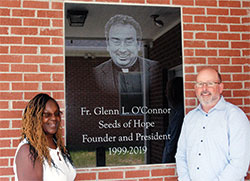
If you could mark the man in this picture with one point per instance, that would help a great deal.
(125, 70)
(214, 141)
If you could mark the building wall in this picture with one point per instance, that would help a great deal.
(215, 33)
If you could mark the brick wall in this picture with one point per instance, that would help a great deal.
(215, 33)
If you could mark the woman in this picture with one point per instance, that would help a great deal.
(41, 155)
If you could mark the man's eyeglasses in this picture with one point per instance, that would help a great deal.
(49, 115)
(208, 84)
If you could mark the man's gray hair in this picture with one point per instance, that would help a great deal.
(124, 20)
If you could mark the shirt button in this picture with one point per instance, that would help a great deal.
(201, 140)
(199, 154)
(206, 115)
(204, 127)
(198, 168)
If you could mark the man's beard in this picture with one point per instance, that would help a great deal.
(209, 100)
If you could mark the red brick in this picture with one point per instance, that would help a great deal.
(57, 41)
(216, 11)
(239, 12)
(110, 175)
(51, 32)
(53, 86)
(86, 176)
(23, 68)
(10, 77)
(246, 4)
(188, 35)
(158, 1)
(235, 101)
(4, 86)
(12, 3)
(190, 102)
(200, 67)
(36, 59)
(11, 95)
(206, 52)
(19, 105)
(125, 1)
(17, 124)
(5, 143)
(10, 58)
(227, 93)
(229, 3)
(245, 36)
(36, 22)
(241, 93)
(229, 52)
(206, 36)
(4, 104)
(247, 85)
(137, 173)
(4, 163)
(194, 43)
(229, 20)
(51, 68)
(188, 52)
(4, 30)
(30, 95)
(25, 86)
(217, 44)
(241, 77)
(10, 40)
(190, 93)
(226, 77)
(4, 12)
(57, 23)
(163, 172)
(231, 69)
(50, 14)
(36, 41)
(229, 36)
(23, 13)
(37, 77)
(4, 49)
(245, 20)
(190, 77)
(58, 95)
(240, 44)
(218, 61)
(183, 2)
(187, 19)
(205, 2)
(6, 171)
(7, 153)
(9, 114)
(23, 49)
(24, 31)
(246, 52)
(36, 4)
(205, 19)
(52, 50)
(189, 69)
(192, 11)
(232, 85)
(57, 5)
(11, 21)
(240, 28)
(217, 27)
(58, 77)
(193, 27)
(246, 68)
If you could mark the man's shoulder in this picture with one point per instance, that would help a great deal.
(105, 66)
